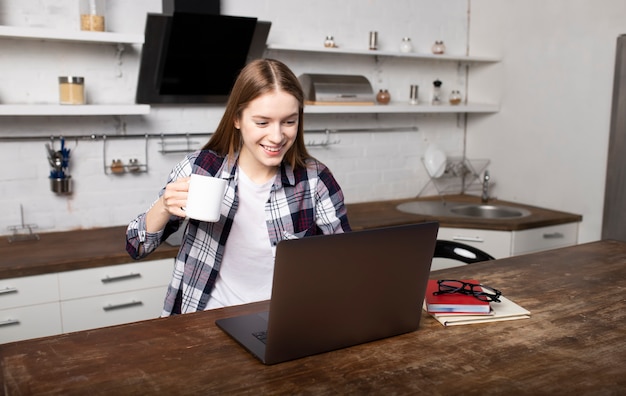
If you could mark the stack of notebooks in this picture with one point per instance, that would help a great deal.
(458, 309)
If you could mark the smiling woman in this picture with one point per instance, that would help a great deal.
(275, 191)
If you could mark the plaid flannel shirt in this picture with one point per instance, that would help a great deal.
(303, 202)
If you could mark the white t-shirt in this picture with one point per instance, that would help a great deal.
(247, 269)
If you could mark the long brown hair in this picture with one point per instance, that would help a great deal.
(257, 78)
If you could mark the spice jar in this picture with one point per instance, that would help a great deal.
(436, 96)
(329, 42)
(117, 166)
(71, 90)
(455, 97)
(414, 94)
(133, 165)
(373, 43)
(406, 45)
(438, 48)
(92, 15)
(383, 96)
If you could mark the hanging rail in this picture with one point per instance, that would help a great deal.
(183, 135)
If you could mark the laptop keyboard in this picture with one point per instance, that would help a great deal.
(261, 336)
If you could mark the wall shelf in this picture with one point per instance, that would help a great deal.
(74, 36)
(72, 110)
(31, 33)
(413, 55)
(401, 108)
(397, 107)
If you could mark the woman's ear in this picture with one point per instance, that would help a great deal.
(236, 122)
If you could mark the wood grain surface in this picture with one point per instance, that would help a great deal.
(574, 343)
(80, 249)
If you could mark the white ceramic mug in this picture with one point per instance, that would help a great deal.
(205, 197)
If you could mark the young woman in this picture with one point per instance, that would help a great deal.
(275, 191)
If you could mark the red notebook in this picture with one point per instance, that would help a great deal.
(453, 302)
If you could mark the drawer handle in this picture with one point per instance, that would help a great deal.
(9, 322)
(553, 235)
(112, 307)
(468, 239)
(109, 279)
(8, 290)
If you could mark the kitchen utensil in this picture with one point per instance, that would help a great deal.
(435, 161)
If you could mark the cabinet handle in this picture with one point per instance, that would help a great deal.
(9, 322)
(468, 239)
(553, 235)
(8, 290)
(109, 279)
(111, 307)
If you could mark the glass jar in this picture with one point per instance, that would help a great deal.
(71, 90)
(406, 45)
(383, 97)
(373, 43)
(329, 42)
(92, 15)
(117, 166)
(439, 47)
(455, 97)
(436, 96)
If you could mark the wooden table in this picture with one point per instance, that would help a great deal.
(575, 343)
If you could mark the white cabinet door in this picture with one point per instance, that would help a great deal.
(115, 278)
(501, 244)
(30, 322)
(113, 309)
(495, 243)
(28, 290)
(544, 238)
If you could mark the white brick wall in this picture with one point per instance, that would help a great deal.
(368, 165)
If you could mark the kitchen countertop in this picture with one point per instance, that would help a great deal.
(384, 213)
(81, 249)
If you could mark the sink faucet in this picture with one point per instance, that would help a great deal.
(485, 196)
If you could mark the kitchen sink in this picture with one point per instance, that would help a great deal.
(456, 209)
(489, 211)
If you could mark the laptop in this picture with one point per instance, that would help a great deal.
(334, 291)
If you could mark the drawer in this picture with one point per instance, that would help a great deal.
(115, 278)
(30, 322)
(28, 290)
(495, 243)
(112, 309)
(545, 238)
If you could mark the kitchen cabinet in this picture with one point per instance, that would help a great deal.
(29, 307)
(112, 295)
(39, 34)
(112, 309)
(394, 108)
(501, 244)
(55, 303)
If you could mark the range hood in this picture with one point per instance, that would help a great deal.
(193, 57)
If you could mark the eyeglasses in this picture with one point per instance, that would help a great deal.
(481, 292)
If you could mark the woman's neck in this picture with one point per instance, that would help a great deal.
(258, 175)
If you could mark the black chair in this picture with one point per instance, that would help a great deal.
(460, 251)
